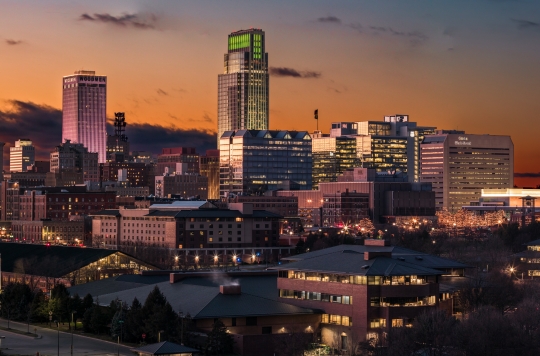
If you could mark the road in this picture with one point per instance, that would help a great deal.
(47, 345)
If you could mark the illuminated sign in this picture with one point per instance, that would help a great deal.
(463, 141)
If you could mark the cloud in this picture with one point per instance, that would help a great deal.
(290, 72)
(143, 22)
(162, 92)
(13, 42)
(527, 175)
(329, 19)
(526, 24)
(415, 37)
(43, 125)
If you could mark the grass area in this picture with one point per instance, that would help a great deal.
(20, 332)
(64, 327)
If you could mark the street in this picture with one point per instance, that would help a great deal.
(15, 344)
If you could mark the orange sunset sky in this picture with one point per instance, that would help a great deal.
(468, 65)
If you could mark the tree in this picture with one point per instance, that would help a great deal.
(434, 331)
(134, 322)
(218, 342)
(58, 303)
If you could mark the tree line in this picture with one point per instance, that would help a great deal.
(139, 323)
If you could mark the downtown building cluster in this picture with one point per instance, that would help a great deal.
(243, 201)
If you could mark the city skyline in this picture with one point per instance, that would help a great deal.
(468, 66)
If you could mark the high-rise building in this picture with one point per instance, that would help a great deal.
(21, 156)
(243, 86)
(255, 161)
(84, 104)
(459, 166)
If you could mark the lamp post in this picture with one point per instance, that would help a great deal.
(159, 336)
(121, 322)
(58, 332)
(181, 315)
(72, 313)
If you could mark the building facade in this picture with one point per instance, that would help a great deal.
(459, 166)
(365, 291)
(182, 185)
(21, 156)
(209, 166)
(238, 227)
(243, 88)
(170, 157)
(254, 161)
(84, 106)
(76, 159)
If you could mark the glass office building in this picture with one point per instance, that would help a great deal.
(84, 105)
(243, 86)
(254, 161)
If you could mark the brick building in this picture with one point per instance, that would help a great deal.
(365, 290)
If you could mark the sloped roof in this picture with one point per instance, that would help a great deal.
(419, 259)
(245, 305)
(48, 261)
(200, 297)
(353, 263)
(165, 348)
(183, 205)
(115, 284)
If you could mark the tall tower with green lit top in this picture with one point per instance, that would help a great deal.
(243, 86)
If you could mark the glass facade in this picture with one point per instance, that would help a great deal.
(253, 161)
(84, 104)
(243, 86)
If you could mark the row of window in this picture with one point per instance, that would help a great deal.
(323, 297)
(336, 319)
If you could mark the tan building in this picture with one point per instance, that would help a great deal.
(73, 157)
(459, 166)
(53, 232)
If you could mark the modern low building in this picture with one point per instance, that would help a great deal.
(43, 266)
(255, 161)
(527, 261)
(365, 290)
(459, 166)
(249, 307)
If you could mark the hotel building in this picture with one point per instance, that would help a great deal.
(459, 166)
(243, 87)
(84, 105)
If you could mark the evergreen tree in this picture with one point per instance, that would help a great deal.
(219, 342)
(134, 322)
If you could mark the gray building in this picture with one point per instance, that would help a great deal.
(243, 86)
(254, 161)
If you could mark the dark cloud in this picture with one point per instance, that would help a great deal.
(13, 42)
(415, 37)
(125, 20)
(527, 175)
(290, 72)
(43, 125)
(329, 19)
(162, 92)
(526, 24)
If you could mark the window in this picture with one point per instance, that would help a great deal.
(397, 323)
(266, 329)
(233, 321)
(377, 323)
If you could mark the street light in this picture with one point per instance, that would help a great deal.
(72, 313)
(58, 331)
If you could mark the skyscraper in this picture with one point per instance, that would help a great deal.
(22, 156)
(84, 104)
(243, 87)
